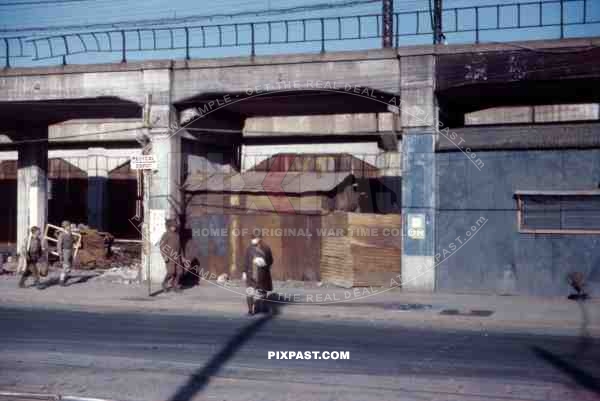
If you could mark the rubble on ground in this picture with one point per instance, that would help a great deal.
(98, 250)
(121, 274)
(10, 266)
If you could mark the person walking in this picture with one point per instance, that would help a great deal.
(65, 247)
(170, 250)
(257, 273)
(33, 254)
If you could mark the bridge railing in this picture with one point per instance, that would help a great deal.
(14, 48)
(559, 14)
(542, 19)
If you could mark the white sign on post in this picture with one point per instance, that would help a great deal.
(416, 226)
(143, 162)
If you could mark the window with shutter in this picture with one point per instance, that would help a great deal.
(555, 212)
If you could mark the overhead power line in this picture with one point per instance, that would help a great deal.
(193, 18)
(41, 2)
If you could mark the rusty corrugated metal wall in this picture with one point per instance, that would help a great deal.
(346, 249)
(229, 222)
(296, 257)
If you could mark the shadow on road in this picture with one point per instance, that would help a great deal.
(583, 349)
(584, 334)
(201, 377)
(73, 280)
(157, 292)
(580, 376)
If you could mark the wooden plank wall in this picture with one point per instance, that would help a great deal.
(336, 258)
(376, 248)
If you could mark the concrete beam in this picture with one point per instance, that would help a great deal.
(417, 86)
(133, 80)
(89, 83)
(372, 54)
(367, 151)
(378, 74)
(96, 130)
(530, 136)
(566, 112)
(361, 124)
(534, 114)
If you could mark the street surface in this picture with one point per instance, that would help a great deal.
(517, 314)
(170, 356)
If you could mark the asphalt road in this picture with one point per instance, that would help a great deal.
(144, 356)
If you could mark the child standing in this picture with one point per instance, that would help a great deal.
(33, 254)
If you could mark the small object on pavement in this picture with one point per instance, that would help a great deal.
(577, 281)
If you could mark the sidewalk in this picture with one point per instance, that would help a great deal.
(552, 316)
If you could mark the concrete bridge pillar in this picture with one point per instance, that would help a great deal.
(162, 195)
(32, 184)
(419, 122)
(389, 163)
(97, 171)
(418, 211)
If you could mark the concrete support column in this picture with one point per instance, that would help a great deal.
(419, 117)
(32, 185)
(389, 163)
(162, 197)
(418, 211)
(97, 171)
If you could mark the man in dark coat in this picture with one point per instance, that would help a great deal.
(257, 272)
(170, 249)
(32, 254)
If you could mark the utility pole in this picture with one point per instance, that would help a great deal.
(388, 23)
(437, 22)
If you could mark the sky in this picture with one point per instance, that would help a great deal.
(45, 18)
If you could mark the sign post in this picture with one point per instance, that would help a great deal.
(143, 162)
(147, 162)
(416, 226)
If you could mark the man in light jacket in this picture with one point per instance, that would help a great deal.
(65, 247)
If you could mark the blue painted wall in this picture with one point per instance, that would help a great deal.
(418, 183)
(541, 262)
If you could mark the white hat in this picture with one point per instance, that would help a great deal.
(255, 241)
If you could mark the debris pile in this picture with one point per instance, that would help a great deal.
(9, 266)
(223, 278)
(98, 250)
